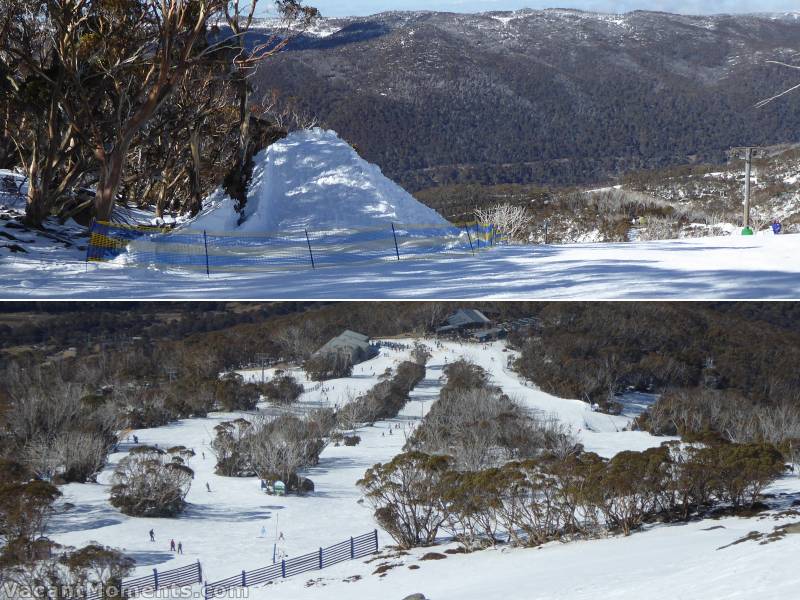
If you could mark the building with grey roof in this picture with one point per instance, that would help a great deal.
(464, 318)
(356, 346)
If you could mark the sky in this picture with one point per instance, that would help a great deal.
(339, 8)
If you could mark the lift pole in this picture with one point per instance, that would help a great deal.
(747, 153)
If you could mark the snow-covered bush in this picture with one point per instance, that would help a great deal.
(147, 483)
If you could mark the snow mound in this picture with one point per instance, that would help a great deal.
(314, 180)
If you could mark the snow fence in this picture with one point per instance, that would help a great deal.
(223, 252)
(355, 547)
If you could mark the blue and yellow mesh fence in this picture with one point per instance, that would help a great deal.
(213, 251)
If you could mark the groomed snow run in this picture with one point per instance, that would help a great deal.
(314, 180)
(223, 528)
(763, 266)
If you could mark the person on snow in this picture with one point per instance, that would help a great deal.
(776, 226)
(152, 536)
(172, 545)
(208, 487)
(180, 547)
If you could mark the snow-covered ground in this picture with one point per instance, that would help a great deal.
(703, 268)
(223, 528)
(314, 180)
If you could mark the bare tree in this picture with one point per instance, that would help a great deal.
(513, 222)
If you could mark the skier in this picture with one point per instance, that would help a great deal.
(776, 226)
(135, 439)
(172, 545)
(180, 547)
(208, 487)
(152, 536)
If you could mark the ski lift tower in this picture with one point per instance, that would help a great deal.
(747, 153)
(171, 373)
(263, 360)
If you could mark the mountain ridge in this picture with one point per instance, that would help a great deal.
(553, 96)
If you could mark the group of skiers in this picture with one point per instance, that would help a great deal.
(172, 546)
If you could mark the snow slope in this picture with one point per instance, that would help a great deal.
(704, 268)
(314, 180)
(223, 528)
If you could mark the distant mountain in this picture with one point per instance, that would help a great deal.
(552, 96)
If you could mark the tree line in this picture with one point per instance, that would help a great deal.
(484, 470)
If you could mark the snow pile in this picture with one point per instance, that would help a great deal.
(314, 180)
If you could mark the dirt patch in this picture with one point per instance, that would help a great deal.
(750, 537)
(778, 533)
(352, 578)
(433, 556)
(413, 567)
(385, 555)
(458, 550)
(383, 568)
(714, 527)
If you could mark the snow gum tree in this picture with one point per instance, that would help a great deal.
(148, 483)
(406, 496)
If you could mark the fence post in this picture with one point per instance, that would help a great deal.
(205, 243)
(396, 249)
(283, 567)
(478, 235)
(376, 540)
(199, 572)
(155, 578)
(469, 237)
(308, 241)
(320, 558)
(352, 549)
(244, 578)
(89, 245)
(274, 552)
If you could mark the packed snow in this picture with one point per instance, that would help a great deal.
(314, 180)
(763, 266)
(234, 526)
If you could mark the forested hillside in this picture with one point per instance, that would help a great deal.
(554, 96)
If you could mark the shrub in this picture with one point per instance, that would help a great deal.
(229, 447)
(272, 448)
(147, 483)
(406, 495)
(420, 353)
(321, 367)
(352, 440)
(283, 389)
(232, 393)
(385, 400)
(743, 470)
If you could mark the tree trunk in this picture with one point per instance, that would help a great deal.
(195, 201)
(108, 185)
